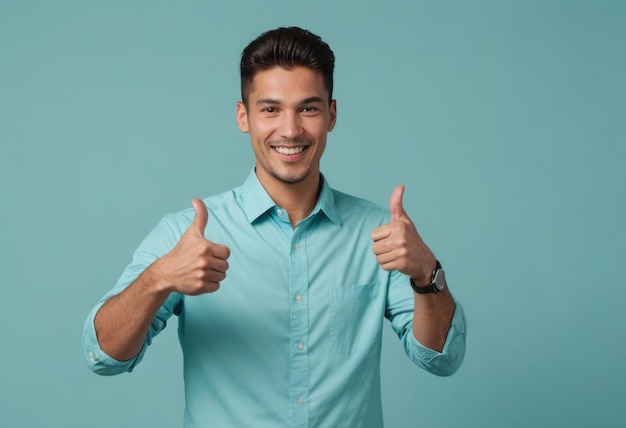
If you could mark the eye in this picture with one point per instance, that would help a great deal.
(308, 109)
(269, 110)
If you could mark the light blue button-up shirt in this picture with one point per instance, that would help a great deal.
(293, 336)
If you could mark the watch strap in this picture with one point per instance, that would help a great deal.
(430, 288)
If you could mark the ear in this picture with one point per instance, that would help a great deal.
(332, 113)
(242, 117)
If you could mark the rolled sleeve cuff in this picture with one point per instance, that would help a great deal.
(98, 360)
(448, 361)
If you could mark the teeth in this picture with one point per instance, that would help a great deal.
(289, 150)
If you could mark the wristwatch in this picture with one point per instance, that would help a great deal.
(437, 283)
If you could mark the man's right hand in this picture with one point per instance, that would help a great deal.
(195, 265)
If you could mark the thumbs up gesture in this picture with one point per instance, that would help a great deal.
(195, 265)
(398, 246)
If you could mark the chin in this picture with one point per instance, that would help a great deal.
(291, 178)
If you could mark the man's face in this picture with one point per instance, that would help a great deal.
(288, 118)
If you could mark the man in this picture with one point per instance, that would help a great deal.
(281, 285)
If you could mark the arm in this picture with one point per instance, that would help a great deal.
(398, 246)
(399, 310)
(122, 323)
(194, 266)
(432, 317)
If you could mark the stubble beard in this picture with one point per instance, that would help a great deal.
(283, 178)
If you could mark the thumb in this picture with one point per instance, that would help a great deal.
(201, 217)
(395, 204)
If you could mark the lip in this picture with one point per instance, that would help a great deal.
(289, 157)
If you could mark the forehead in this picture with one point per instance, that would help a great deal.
(285, 84)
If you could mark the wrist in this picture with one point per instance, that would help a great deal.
(155, 280)
(436, 284)
(425, 278)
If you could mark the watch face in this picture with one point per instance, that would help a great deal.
(440, 280)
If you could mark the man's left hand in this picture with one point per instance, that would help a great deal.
(398, 246)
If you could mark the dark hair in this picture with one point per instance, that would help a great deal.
(286, 47)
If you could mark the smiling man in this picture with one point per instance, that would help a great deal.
(288, 113)
(281, 285)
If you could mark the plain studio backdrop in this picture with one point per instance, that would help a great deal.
(506, 121)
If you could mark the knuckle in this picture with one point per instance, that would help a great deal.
(226, 252)
(203, 263)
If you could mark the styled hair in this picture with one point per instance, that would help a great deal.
(286, 47)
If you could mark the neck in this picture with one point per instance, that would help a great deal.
(298, 199)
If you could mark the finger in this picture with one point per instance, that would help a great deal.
(219, 265)
(201, 217)
(395, 204)
(388, 266)
(381, 247)
(220, 251)
(215, 276)
(207, 287)
(386, 258)
(381, 232)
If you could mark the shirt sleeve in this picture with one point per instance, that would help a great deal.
(400, 313)
(158, 243)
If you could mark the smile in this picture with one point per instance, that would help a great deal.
(289, 150)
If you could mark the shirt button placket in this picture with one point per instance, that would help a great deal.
(299, 366)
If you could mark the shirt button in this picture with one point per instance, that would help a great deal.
(92, 357)
(279, 212)
(298, 246)
(301, 346)
(299, 298)
(300, 402)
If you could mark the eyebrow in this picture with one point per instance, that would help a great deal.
(311, 100)
(308, 100)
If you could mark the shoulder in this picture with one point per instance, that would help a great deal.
(218, 205)
(353, 208)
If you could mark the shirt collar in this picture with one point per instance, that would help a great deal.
(256, 200)
(326, 203)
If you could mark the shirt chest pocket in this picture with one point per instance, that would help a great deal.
(356, 317)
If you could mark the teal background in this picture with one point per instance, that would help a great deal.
(506, 120)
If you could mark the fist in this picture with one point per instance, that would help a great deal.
(195, 265)
(398, 246)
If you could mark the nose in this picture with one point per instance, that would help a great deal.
(290, 125)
